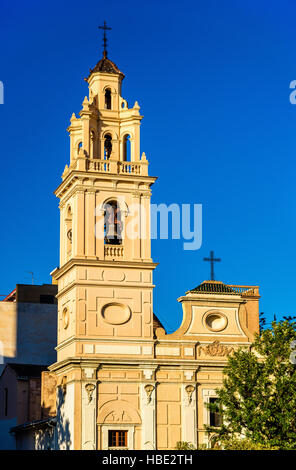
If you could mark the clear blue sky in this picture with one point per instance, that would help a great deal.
(212, 79)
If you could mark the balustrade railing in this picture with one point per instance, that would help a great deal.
(129, 167)
(113, 251)
(116, 167)
(245, 290)
(99, 165)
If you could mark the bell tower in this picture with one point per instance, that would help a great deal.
(120, 380)
(105, 275)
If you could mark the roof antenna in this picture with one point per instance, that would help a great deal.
(32, 274)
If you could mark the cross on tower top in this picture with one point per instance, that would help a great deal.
(105, 28)
(212, 260)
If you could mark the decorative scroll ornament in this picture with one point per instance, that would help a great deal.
(149, 389)
(189, 389)
(215, 349)
(90, 389)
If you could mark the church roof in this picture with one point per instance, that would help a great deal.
(40, 423)
(26, 370)
(106, 65)
(213, 287)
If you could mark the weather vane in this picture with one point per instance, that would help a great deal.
(105, 28)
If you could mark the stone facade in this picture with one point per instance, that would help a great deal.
(121, 381)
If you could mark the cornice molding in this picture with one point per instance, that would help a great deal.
(73, 175)
(74, 262)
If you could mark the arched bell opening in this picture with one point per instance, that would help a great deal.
(107, 146)
(108, 98)
(79, 146)
(126, 148)
(113, 223)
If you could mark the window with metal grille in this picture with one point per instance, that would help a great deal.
(117, 439)
(215, 417)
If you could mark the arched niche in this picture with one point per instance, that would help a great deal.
(126, 148)
(118, 411)
(107, 98)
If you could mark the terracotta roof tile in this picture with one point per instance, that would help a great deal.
(213, 287)
(106, 65)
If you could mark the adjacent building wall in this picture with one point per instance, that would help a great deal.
(28, 333)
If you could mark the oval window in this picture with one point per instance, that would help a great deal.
(216, 321)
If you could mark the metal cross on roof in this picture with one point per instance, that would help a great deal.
(105, 28)
(212, 260)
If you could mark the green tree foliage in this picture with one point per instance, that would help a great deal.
(245, 444)
(184, 445)
(262, 321)
(257, 400)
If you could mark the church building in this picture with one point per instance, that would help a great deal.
(120, 381)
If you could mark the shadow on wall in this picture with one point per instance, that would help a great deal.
(63, 433)
(56, 435)
(45, 438)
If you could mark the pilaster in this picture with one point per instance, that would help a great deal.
(148, 411)
(188, 410)
(89, 407)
